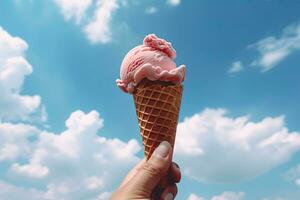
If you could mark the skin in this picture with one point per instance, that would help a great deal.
(143, 182)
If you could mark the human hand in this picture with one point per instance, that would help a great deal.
(143, 181)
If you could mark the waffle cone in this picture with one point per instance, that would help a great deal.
(157, 106)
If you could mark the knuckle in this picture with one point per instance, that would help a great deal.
(152, 170)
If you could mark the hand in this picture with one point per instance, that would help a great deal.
(143, 181)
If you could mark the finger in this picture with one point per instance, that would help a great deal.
(175, 173)
(156, 193)
(169, 193)
(133, 172)
(173, 176)
(156, 167)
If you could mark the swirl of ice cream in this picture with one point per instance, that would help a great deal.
(152, 60)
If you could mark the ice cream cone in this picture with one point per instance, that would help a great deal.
(148, 71)
(157, 106)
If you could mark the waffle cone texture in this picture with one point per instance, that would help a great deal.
(157, 106)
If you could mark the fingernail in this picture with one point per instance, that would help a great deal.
(162, 150)
(169, 197)
(176, 165)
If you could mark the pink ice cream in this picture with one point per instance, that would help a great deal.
(152, 60)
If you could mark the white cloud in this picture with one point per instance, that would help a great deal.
(13, 70)
(151, 10)
(14, 141)
(74, 164)
(229, 196)
(213, 147)
(98, 16)
(30, 170)
(236, 67)
(11, 192)
(194, 197)
(98, 29)
(173, 2)
(94, 182)
(293, 174)
(273, 50)
(104, 196)
(297, 181)
(74, 9)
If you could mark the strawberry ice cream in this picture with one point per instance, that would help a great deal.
(152, 60)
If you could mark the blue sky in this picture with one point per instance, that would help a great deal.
(238, 136)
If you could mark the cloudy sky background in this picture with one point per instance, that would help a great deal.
(67, 131)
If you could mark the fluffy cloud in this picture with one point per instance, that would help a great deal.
(151, 10)
(213, 147)
(293, 174)
(194, 197)
(273, 50)
(297, 181)
(74, 9)
(236, 67)
(224, 196)
(103, 196)
(173, 2)
(13, 70)
(74, 164)
(30, 170)
(98, 16)
(98, 29)
(14, 141)
(11, 192)
(229, 196)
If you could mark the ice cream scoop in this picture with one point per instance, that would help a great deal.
(152, 60)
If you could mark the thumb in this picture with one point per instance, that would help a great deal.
(154, 169)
